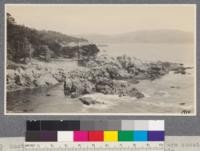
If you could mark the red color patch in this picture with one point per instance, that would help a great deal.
(95, 136)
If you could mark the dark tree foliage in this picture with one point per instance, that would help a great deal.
(45, 53)
(70, 52)
(89, 50)
(17, 43)
(23, 42)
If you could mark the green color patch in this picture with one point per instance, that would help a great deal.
(125, 135)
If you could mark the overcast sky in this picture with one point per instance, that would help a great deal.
(104, 19)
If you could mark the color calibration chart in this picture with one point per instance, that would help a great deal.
(111, 135)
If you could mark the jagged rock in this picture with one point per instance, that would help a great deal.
(180, 70)
(23, 78)
(123, 88)
(105, 89)
(59, 75)
(98, 73)
(77, 87)
(153, 72)
(104, 85)
(99, 61)
(100, 82)
(67, 87)
(116, 72)
(125, 67)
(89, 101)
(45, 80)
(133, 92)
(33, 75)
(131, 64)
(120, 87)
(18, 80)
(109, 71)
(107, 76)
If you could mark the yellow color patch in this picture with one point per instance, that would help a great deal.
(110, 136)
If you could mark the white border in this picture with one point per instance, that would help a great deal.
(103, 114)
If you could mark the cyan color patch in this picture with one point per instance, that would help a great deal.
(140, 136)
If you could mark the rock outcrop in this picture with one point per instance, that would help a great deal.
(105, 79)
(33, 76)
(131, 67)
(77, 87)
(113, 75)
(89, 101)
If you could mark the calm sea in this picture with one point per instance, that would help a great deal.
(181, 53)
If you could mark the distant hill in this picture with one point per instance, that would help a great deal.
(144, 36)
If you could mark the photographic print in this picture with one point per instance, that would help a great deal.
(98, 59)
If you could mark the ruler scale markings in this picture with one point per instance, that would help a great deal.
(99, 146)
(103, 135)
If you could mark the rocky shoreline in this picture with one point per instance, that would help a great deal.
(34, 75)
(105, 75)
(116, 76)
(44, 73)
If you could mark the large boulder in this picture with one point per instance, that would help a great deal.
(111, 71)
(10, 76)
(104, 86)
(133, 92)
(98, 73)
(59, 75)
(21, 77)
(45, 80)
(76, 87)
(89, 101)
(131, 64)
(123, 88)
(120, 87)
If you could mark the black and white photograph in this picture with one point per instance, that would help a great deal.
(100, 59)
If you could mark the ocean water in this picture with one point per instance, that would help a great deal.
(181, 53)
(171, 94)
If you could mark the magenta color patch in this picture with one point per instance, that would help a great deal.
(80, 136)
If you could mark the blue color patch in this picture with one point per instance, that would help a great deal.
(140, 136)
